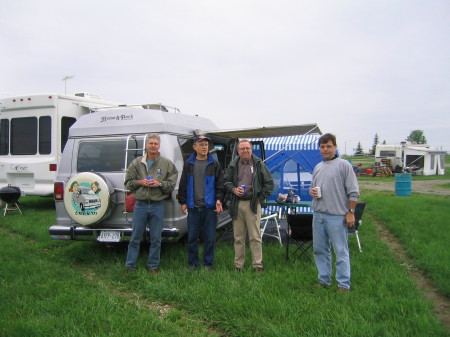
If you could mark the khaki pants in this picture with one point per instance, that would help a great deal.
(245, 222)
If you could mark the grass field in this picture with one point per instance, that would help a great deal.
(64, 288)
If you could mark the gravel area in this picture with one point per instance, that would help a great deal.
(419, 186)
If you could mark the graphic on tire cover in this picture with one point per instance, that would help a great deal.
(86, 198)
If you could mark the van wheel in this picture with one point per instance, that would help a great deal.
(92, 189)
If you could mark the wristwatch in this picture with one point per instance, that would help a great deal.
(351, 210)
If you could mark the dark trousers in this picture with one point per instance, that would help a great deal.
(205, 220)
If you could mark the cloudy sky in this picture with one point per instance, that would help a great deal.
(355, 67)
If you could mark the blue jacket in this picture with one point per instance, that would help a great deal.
(213, 183)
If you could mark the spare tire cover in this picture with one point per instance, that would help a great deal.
(87, 198)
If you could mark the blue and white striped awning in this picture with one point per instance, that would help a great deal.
(290, 143)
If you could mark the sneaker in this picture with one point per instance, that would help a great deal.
(153, 271)
(209, 268)
(192, 267)
(238, 269)
(260, 270)
(130, 270)
(342, 290)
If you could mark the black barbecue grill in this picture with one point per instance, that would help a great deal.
(10, 195)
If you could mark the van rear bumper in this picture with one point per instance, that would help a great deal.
(83, 233)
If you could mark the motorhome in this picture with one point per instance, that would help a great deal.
(100, 147)
(418, 159)
(33, 133)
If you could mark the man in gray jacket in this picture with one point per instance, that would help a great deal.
(335, 192)
(151, 178)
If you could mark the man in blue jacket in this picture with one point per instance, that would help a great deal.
(200, 194)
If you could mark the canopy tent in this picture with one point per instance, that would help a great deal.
(425, 160)
(291, 160)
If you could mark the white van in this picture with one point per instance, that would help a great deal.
(33, 133)
(99, 149)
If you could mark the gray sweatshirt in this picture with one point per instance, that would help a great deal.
(338, 185)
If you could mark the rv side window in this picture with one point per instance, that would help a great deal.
(387, 153)
(66, 123)
(45, 135)
(4, 137)
(101, 156)
(24, 136)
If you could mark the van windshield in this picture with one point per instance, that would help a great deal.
(106, 156)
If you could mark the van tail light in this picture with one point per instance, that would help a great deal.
(53, 167)
(58, 190)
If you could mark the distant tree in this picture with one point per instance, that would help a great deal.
(417, 136)
(374, 146)
(384, 142)
(359, 150)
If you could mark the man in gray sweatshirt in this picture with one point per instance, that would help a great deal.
(335, 191)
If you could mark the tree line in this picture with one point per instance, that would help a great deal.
(415, 137)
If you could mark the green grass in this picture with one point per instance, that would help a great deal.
(64, 288)
(421, 222)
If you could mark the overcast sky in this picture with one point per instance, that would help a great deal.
(355, 67)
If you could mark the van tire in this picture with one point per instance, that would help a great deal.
(87, 198)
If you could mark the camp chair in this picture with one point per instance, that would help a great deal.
(359, 210)
(299, 231)
(274, 219)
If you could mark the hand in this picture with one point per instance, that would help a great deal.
(154, 183)
(350, 219)
(184, 209)
(314, 193)
(219, 207)
(144, 182)
(150, 182)
(239, 191)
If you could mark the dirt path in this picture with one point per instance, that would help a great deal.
(419, 186)
(441, 304)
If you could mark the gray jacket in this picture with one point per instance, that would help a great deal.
(162, 170)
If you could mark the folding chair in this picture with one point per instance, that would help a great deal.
(299, 231)
(359, 210)
(274, 219)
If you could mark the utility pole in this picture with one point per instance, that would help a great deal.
(65, 78)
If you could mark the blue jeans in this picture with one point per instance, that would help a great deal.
(329, 228)
(151, 214)
(198, 219)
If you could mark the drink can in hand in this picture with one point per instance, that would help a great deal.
(319, 192)
(149, 177)
(245, 189)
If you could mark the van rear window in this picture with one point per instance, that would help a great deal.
(105, 156)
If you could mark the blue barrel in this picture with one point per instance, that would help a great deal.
(403, 184)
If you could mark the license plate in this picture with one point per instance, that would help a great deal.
(109, 236)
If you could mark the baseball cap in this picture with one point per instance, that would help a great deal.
(200, 138)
